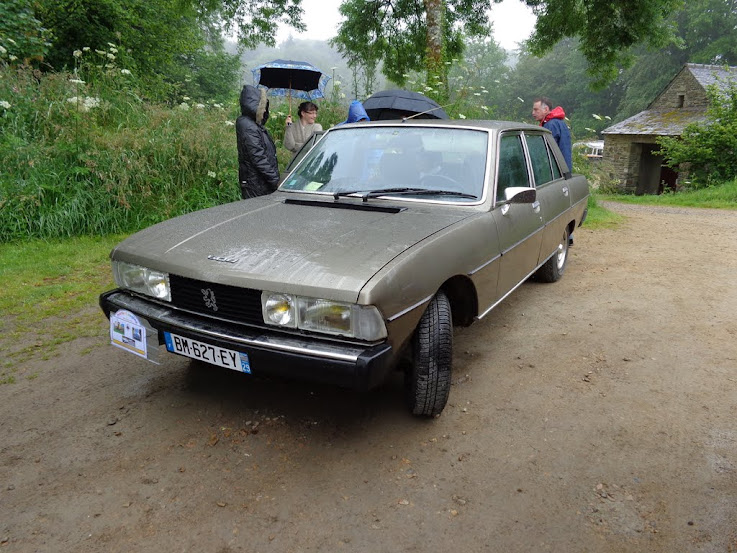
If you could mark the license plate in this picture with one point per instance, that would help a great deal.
(201, 351)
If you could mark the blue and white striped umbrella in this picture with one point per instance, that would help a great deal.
(297, 79)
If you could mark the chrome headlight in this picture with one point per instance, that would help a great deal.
(323, 316)
(142, 280)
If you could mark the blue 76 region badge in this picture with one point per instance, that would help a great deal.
(127, 332)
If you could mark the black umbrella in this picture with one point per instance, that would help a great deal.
(396, 104)
(291, 78)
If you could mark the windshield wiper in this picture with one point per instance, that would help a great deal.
(366, 194)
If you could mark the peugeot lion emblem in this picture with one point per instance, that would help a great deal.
(209, 297)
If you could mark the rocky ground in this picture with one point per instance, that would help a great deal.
(596, 414)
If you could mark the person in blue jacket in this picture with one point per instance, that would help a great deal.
(356, 113)
(554, 121)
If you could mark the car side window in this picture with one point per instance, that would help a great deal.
(512, 165)
(539, 158)
(554, 163)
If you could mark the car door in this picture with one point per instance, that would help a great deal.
(552, 192)
(519, 225)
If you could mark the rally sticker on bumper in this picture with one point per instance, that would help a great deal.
(127, 332)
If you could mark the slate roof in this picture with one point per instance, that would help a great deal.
(658, 122)
(713, 74)
(671, 122)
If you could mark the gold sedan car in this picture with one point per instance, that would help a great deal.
(379, 241)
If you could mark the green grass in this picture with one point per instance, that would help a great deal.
(600, 217)
(50, 291)
(723, 196)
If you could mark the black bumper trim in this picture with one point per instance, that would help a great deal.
(347, 365)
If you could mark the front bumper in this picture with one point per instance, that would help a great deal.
(347, 365)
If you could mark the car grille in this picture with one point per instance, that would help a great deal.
(231, 303)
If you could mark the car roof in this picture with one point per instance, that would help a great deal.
(470, 123)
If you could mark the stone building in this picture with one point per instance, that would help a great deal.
(630, 146)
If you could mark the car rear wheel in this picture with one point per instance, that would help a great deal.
(428, 377)
(553, 268)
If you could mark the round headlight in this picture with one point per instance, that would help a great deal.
(279, 310)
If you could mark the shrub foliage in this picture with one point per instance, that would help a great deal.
(709, 148)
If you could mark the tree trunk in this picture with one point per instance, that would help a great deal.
(435, 66)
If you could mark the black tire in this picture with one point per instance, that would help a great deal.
(428, 377)
(553, 268)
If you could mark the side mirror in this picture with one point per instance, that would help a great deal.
(520, 195)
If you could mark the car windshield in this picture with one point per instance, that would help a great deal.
(428, 163)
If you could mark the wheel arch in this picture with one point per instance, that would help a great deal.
(463, 299)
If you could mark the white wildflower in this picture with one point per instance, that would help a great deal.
(461, 116)
(607, 118)
(125, 71)
(77, 53)
(110, 56)
(100, 52)
(520, 99)
(4, 104)
(109, 66)
(229, 124)
(114, 50)
(485, 108)
(597, 117)
(76, 81)
(73, 99)
(211, 174)
(11, 57)
(336, 83)
(590, 129)
(11, 41)
(91, 102)
(86, 49)
(184, 106)
(111, 45)
(217, 106)
(3, 51)
(497, 81)
(185, 98)
(200, 106)
(477, 94)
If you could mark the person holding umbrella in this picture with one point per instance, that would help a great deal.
(258, 168)
(296, 135)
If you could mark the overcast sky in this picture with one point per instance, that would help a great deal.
(513, 22)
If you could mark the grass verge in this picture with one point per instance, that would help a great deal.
(50, 280)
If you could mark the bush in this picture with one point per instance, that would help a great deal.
(88, 156)
(708, 148)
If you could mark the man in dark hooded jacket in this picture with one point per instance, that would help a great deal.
(554, 120)
(258, 169)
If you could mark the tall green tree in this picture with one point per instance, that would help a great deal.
(410, 35)
(424, 35)
(163, 43)
(22, 36)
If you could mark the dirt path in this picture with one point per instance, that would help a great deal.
(592, 415)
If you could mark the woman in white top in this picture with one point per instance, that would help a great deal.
(297, 134)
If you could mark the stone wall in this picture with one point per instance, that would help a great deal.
(684, 86)
(622, 153)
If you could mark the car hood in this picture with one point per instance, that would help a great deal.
(267, 244)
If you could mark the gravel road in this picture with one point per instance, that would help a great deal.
(592, 415)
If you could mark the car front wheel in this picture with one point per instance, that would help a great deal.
(553, 268)
(428, 377)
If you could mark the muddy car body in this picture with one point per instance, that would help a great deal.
(381, 239)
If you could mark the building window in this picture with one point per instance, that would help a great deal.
(681, 100)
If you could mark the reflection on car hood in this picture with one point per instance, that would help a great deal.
(263, 243)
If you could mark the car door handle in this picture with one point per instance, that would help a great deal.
(536, 207)
(565, 191)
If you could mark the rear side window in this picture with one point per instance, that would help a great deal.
(539, 158)
(512, 166)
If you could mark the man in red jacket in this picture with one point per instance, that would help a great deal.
(554, 120)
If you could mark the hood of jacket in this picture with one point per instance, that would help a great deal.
(254, 104)
(555, 113)
(356, 113)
